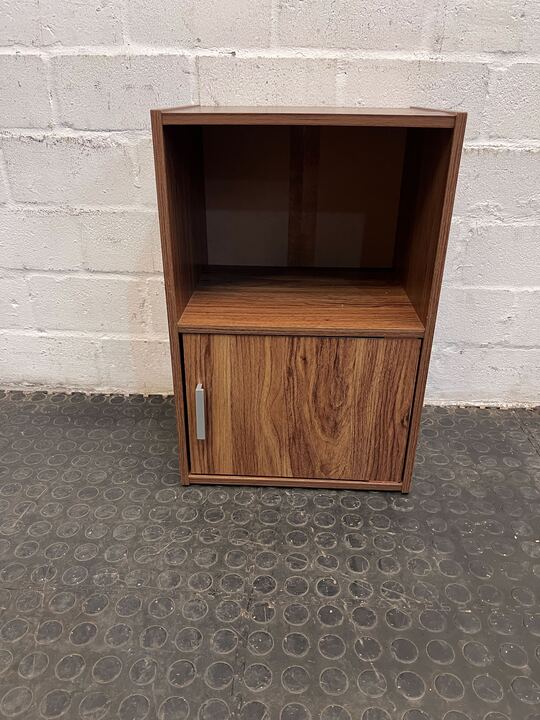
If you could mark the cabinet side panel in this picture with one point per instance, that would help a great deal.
(425, 177)
(429, 297)
(177, 260)
(184, 177)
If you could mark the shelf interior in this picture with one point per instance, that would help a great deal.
(317, 229)
(299, 196)
(301, 302)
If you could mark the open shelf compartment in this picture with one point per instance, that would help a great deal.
(305, 228)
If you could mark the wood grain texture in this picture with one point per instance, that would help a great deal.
(300, 302)
(168, 222)
(199, 479)
(430, 300)
(183, 157)
(381, 117)
(301, 407)
(180, 195)
(425, 175)
(314, 378)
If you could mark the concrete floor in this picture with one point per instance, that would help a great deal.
(125, 596)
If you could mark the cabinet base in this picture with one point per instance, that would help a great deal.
(196, 479)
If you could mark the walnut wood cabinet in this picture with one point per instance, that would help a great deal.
(303, 252)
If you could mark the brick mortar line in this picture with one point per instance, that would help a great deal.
(52, 92)
(77, 209)
(116, 335)
(274, 28)
(124, 24)
(503, 58)
(83, 334)
(194, 81)
(38, 209)
(84, 272)
(501, 145)
(90, 274)
(492, 218)
(465, 221)
(104, 137)
(459, 346)
(494, 288)
(4, 179)
(197, 79)
(475, 217)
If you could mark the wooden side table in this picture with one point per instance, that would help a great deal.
(303, 252)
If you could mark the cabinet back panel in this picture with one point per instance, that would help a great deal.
(348, 219)
(358, 196)
(247, 194)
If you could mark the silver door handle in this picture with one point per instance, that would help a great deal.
(200, 422)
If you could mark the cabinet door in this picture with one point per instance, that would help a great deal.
(299, 407)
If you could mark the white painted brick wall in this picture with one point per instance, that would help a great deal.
(97, 92)
(445, 85)
(71, 171)
(227, 80)
(41, 23)
(15, 309)
(490, 26)
(23, 89)
(513, 93)
(40, 239)
(74, 302)
(81, 289)
(122, 242)
(499, 183)
(200, 23)
(360, 25)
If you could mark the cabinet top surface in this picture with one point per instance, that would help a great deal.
(198, 114)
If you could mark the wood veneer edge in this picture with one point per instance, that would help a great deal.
(204, 479)
(372, 332)
(170, 289)
(313, 120)
(425, 353)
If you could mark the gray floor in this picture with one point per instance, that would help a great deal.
(124, 595)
